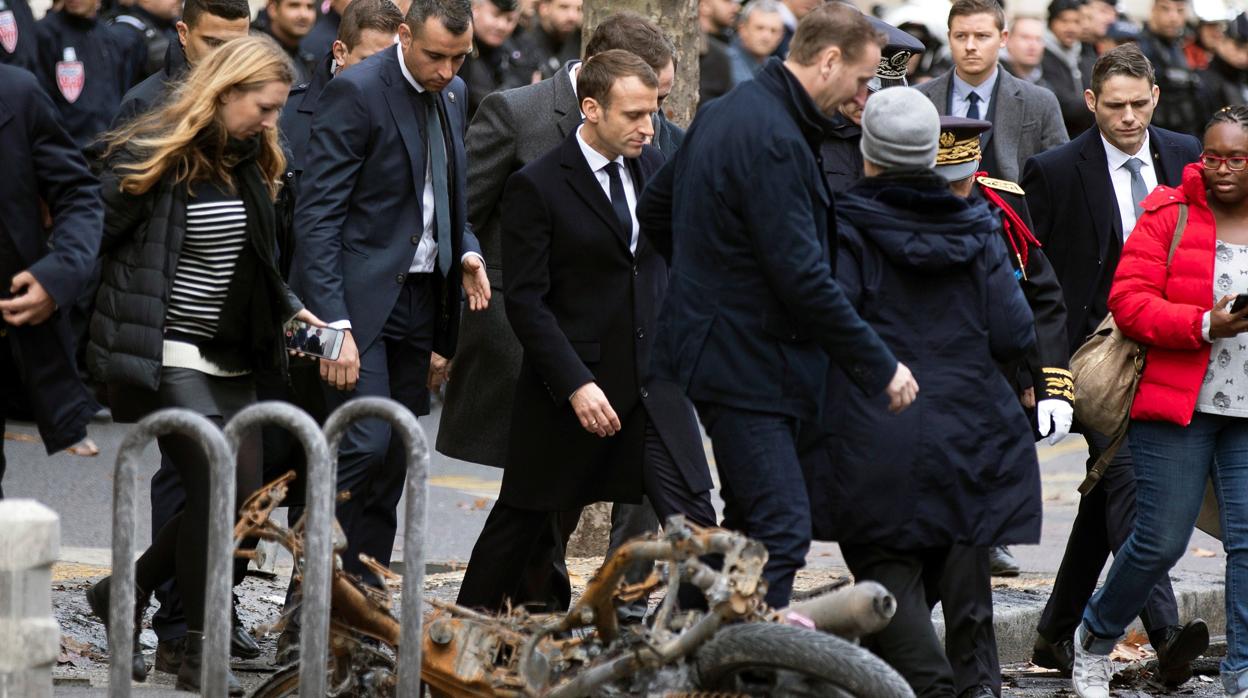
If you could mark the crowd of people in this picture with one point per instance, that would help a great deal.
(866, 293)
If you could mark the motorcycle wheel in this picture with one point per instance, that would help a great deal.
(766, 659)
(285, 683)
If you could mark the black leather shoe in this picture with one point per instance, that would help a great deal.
(242, 644)
(97, 599)
(979, 692)
(287, 647)
(1002, 562)
(1182, 644)
(169, 655)
(192, 665)
(1058, 655)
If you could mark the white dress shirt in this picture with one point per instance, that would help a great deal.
(962, 88)
(1120, 176)
(598, 164)
(426, 257)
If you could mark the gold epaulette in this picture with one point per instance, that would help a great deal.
(1058, 383)
(1002, 184)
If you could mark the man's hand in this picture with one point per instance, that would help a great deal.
(594, 411)
(476, 283)
(1028, 398)
(30, 304)
(1057, 414)
(344, 373)
(439, 371)
(902, 389)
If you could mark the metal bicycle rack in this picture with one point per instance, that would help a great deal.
(417, 493)
(221, 449)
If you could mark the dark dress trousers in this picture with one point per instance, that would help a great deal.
(44, 166)
(1072, 203)
(358, 223)
(583, 307)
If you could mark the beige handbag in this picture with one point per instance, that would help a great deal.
(1107, 370)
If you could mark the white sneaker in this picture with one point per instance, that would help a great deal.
(1091, 673)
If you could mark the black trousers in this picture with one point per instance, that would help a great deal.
(517, 543)
(372, 462)
(1104, 521)
(966, 598)
(909, 643)
(8, 384)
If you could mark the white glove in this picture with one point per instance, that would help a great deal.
(1057, 413)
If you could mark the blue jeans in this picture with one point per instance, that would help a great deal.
(763, 488)
(1172, 464)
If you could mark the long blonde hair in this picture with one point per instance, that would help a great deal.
(187, 135)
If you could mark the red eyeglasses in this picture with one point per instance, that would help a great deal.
(1213, 162)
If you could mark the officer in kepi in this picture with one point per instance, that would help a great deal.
(842, 160)
(1042, 382)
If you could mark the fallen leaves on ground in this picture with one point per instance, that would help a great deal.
(1132, 648)
(1201, 552)
(85, 448)
(77, 652)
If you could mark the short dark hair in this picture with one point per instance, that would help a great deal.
(456, 15)
(966, 8)
(225, 9)
(600, 71)
(378, 15)
(631, 32)
(832, 24)
(1126, 60)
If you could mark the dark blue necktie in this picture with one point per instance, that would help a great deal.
(972, 112)
(619, 201)
(441, 187)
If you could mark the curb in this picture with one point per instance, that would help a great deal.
(1015, 627)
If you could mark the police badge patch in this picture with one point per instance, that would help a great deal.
(70, 75)
(8, 30)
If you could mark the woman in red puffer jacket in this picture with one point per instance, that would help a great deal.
(1190, 417)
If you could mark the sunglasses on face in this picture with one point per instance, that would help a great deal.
(1213, 162)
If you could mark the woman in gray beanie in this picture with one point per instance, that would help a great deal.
(929, 272)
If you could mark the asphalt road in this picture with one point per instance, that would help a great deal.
(80, 489)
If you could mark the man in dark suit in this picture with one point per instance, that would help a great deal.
(1084, 199)
(43, 270)
(583, 290)
(1026, 119)
(1067, 63)
(383, 246)
(753, 313)
(512, 129)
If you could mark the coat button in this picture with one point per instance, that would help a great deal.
(645, 393)
(415, 239)
(635, 270)
(400, 278)
(641, 333)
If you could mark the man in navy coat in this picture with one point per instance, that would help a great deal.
(1082, 200)
(42, 270)
(752, 312)
(383, 246)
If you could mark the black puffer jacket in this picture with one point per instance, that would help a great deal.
(142, 242)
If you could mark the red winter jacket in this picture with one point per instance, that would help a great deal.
(1164, 310)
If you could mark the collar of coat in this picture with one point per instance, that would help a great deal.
(777, 79)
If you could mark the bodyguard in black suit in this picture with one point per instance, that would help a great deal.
(583, 291)
(383, 246)
(43, 270)
(1082, 199)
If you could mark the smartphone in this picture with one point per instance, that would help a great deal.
(322, 342)
(1241, 302)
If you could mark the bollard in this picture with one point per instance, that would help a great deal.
(318, 557)
(221, 459)
(416, 490)
(30, 538)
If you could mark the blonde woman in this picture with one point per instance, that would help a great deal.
(191, 301)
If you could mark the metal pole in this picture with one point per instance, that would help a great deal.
(220, 552)
(417, 493)
(318, 552)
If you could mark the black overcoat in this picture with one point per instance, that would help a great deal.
(929, 272)
(584, 309)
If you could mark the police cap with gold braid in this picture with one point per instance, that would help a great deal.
(959, 154)
(899, 47)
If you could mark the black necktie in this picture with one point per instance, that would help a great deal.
(441, 189)
(972, 112)
(619, 201)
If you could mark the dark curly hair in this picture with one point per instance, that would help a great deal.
(1235, 114)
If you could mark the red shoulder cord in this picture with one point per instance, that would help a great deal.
(1016, 231)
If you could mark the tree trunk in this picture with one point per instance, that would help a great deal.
(679, 21)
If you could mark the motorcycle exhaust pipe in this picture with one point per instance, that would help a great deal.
(849, 612)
